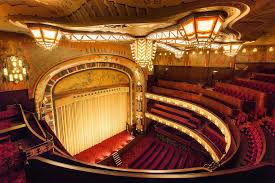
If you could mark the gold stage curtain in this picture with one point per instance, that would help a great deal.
(87, 119)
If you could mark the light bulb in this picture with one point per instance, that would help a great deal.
(11, 77)
(24, 71)
(5, 70)
(20, 63)
(20, 77)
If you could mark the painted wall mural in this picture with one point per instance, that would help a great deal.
(90, 79)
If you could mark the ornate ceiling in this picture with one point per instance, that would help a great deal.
(137, 18)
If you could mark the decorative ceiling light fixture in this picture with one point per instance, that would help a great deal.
(200, 29)
(232, 49)
(143, 52)
(46, 36)
(178, 53)
(214, 46)
(170, 34)
(86, 37)
(14, 69)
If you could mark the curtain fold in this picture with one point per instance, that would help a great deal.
(89, 119)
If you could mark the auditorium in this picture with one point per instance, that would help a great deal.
(131, 91)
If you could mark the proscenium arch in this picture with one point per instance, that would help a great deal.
(44, 89)
(129, 76)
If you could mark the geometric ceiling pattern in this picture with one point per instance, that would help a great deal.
(137, 18)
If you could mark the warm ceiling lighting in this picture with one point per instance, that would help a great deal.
(46, 36)
(15, 69)
(143, 52)
(270, 49)
(231, 49)
(178, 53)
(216, 52)
(214, 46)
(201, 29)
(255, 50)
(244, 50)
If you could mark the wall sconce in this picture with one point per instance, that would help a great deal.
(14, 69)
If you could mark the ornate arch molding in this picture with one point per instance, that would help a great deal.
(44, 89)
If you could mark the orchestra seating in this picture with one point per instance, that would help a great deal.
(256, 144)
(160, 156)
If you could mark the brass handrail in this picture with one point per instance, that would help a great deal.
(33, 132)
(40, 148)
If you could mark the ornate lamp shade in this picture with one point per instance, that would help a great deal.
(45, 36)
(232, 49)
(14, 69)
(143, 52)
(201, 29)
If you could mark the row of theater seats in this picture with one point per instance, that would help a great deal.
(215, 138)
(255, 144)
(257, 85)
(269, 124)
(170, 134)
(6, 116)
(11, 162)
(160, 156)
(196, 94)
(254, 115)
(180, 117)
(264, 77)
(238, 94)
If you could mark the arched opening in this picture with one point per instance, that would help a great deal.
(46, 87)
(94, 102)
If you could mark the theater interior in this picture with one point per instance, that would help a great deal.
(151, 91)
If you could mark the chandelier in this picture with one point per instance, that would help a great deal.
(143, 52)
(14, 69)
(231, 49)
(45, 36)
(200, 29)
